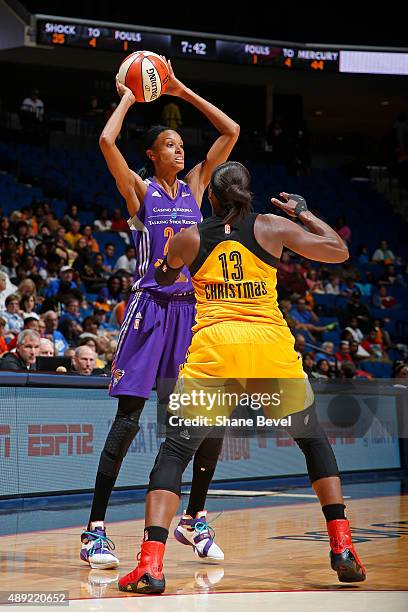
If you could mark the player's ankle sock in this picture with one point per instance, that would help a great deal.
(156, 534)
(103, 489)
(333, 512)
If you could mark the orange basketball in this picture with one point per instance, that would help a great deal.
(146, 74)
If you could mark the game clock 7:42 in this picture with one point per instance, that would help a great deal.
(184, 46)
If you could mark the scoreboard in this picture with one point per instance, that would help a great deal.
(56, 32)
(106, 38)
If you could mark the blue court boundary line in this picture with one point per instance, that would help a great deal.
(138, 493)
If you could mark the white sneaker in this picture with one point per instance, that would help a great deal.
(198, 534)
(97, 549)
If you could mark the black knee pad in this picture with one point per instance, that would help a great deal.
(312, 441)
(124, 429)
(171, 461)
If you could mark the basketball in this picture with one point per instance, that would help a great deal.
(146, 74)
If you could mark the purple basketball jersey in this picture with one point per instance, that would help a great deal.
(158, 219)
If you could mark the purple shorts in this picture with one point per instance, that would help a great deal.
(152, 343)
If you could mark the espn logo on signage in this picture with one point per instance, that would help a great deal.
(5, 441)
(60, 439)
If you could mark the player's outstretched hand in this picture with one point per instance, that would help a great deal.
(294, 205)
(122, 90)
(174, 87)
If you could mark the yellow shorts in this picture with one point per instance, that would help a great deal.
(247, 358)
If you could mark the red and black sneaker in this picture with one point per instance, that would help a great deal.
(343, 557)
(147, 577)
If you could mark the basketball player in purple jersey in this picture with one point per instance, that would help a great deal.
(156, 329)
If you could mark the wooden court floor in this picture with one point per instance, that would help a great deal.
(282, 548)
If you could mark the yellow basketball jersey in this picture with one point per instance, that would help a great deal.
(234, 278)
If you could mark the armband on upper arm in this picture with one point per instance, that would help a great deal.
(165, 275)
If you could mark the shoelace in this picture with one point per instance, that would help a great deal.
(201, 526)
(104, 542)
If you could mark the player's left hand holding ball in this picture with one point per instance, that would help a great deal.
(123, 90)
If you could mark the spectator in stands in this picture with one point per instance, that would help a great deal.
(357, 352)
(100, 316)
(390, 277)
(333, 286)
(31, 321)
(365, 285)
(27, 287)
(72, 312)
(3, 343)
(308, 364)
(127, 261)
(65, 281)
(300, 342)
(84, 361)
(373, 345)
(117, 314)
(347, 287)
(90, 325)
(14, 321)
(327, 353)
(400, 370)
(119, 223)
(354, 308)
(323, 370)
(46, 348)
(25, 356)
(383, 254)
(343, 229)
(314, 284)
(348, 370)
(74, 234)
(83, 260)
(4, 230)
(51, 332)
(27, 304)
(109, 256)
(90, 240)
(103, 223)
(303, 313)
(344, 353)
(295, 283)
(95, 277)
(363, 255)
(6, 289)
(382, 333)
(285, 266)
(70, 216)
(40, 259)
(171, 115)
(70, 330)
(383, 300)
(354, 330)
(32, 111)
(112, 293)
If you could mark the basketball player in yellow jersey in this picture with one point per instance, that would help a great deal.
(240, 333)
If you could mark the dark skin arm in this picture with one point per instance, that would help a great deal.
(273, 233)
(199, 177)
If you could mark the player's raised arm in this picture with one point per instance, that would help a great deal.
(199, 177)
(320, 243)
(129, 184)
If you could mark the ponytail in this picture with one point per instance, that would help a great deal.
(230, 184)
(147, 170)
